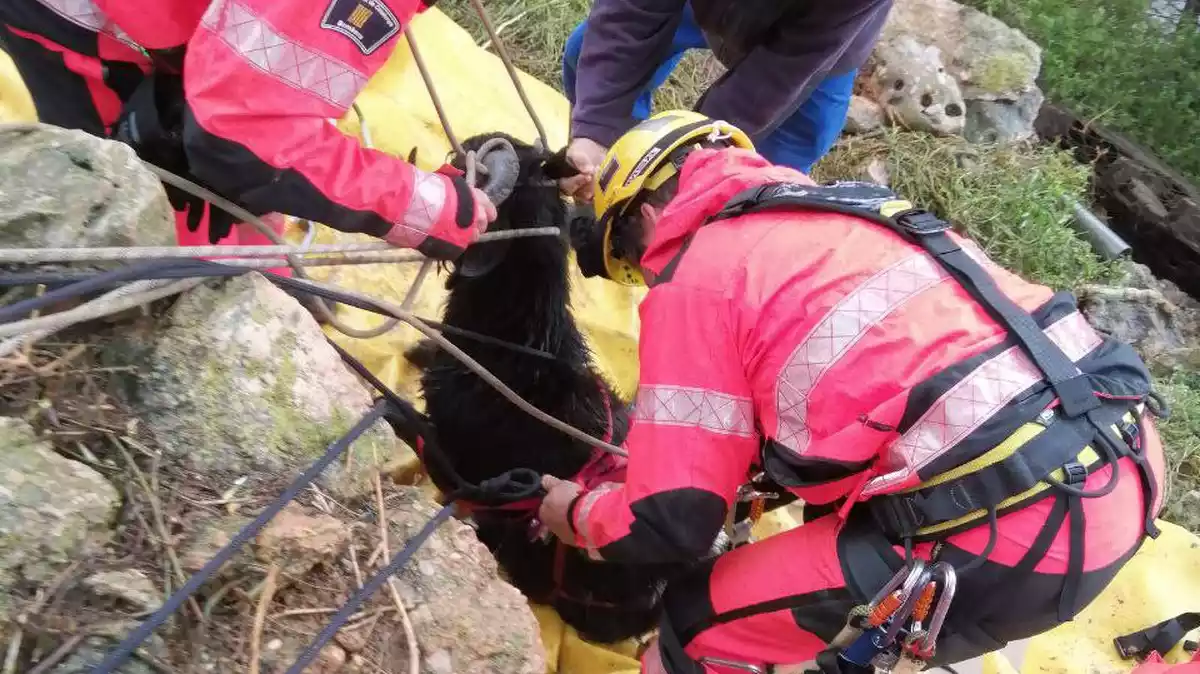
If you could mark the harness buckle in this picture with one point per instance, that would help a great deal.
(1074, 473)
(896, 515)
(919, 222)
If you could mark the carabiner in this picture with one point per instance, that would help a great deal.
(948, 578)
(906, 576)
(910, 594)
(734, 664)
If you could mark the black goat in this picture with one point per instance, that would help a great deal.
(522, 299)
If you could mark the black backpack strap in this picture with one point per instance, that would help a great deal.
(930, 233)
(1158, 638)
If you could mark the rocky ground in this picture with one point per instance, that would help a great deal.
(136, 448)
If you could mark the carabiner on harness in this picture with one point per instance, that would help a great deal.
(886, 616)
(920, 645)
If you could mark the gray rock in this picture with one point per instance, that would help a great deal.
(298, 541)
(103, 637)
(467, 620)
(239, 380)
(65, 188)
(994, 67)
(864, 116)
(1003, 121)
(92, 652)
(910, 81)
(1159, 320)
(129, 585)
(52, 510)
(208, 538)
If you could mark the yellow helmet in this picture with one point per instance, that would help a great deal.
(643, 160)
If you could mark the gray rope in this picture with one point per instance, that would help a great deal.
(408, 317)
(124, 254)
(140, 292)
(126, 297)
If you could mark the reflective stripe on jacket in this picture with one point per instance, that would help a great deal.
(264, 79)
(810, 332)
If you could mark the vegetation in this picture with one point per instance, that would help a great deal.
(1181, 437)
(1012, 200)
(1120, 64)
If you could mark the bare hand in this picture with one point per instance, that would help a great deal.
(485, 211)
(585, 155)
(553, 511)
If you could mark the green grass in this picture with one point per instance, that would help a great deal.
(1108, 62)
(1009, 199)
(1181, 438)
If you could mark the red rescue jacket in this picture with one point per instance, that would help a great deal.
(818, 336)
(265, 80)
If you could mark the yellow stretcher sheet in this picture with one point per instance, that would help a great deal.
(1161, 582)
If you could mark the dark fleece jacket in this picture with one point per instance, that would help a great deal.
(776, 51)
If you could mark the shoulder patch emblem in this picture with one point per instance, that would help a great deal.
(368, 23)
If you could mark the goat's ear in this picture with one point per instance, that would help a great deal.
(557, 167)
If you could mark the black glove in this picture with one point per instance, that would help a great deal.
(151, 122)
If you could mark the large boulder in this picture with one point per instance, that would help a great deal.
(238, 380)
(934, 55)
(907, 78)
(66, 188)
(52, 511)
(466, 618)
(1160, 321)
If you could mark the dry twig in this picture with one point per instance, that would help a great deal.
(159, 522)
(354, 565)
(14, 650)
(65, 649)
(260, 616)
(410, 635)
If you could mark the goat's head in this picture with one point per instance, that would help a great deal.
(534, 200)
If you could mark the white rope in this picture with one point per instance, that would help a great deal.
(126, 297)
(121, 254)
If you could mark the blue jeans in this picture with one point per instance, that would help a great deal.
(798, 142)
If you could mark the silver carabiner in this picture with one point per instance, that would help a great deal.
(910, 594)
(906, 576)
(948, 578)
(743, 666)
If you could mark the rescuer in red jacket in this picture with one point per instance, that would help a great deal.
(837, 345)
(264, 81)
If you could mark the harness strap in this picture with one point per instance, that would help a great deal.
(1069, 599)
(929, 232)
(1057, 447)
(1028, 562)
(1158, 638)
(1136, 449)
(674, 659)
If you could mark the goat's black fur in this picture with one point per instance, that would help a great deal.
(524, 300)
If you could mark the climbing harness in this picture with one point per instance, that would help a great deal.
(1085, 414)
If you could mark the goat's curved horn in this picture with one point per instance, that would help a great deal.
(503, 168)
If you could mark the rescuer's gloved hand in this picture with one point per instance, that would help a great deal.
(151, 122)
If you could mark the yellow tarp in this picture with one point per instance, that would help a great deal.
(1162, 581)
